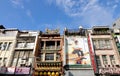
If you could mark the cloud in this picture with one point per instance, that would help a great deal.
(90, 11)
(17, 3)
(21, 4)
(28, 12)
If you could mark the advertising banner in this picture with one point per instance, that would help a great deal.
(77, 50)
(10, 70)
(22, 70)
(111, 71)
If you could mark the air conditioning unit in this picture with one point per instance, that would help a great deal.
(28, 63)
(22, 62)
(113, 62)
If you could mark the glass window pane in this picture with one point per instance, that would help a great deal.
(16, 54)
(9, 45)
(98, 60)
(112, 59)
(4, 46)
(14, 62)
(31, 54)
(49, 56)
(104, 57)
(1, 45)
(21, 54)
(58, 56)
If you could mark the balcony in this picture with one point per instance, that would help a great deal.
(75, 32)
(24, 46)
(101, 32)
(54, 66)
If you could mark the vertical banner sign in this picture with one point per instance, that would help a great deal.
(77, 51)
(91, 52)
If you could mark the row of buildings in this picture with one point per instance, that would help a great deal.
(78, 52)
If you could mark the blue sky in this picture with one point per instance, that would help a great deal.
(41, 14)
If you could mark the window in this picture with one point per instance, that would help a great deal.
(20, 44)
(49, 56)
(104, 57)
(9, 45)
(41, 56)
(19, 62)
(95, 44)
(31, 54)
(112, 59)
(21, 54)
(58, 56)
(42, 44)
(58, 44)
(30, 45)
(0, 61)
(1, 45)
(98, 60)
(108, 45)
(16, 54)
(50, 44)
(102, 44)
(5, 61)
(14, 62)
(4, 46)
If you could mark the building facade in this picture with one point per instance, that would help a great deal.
(24, 52)
(7, 45)
(48, 57)
(17, 51)
(76, 53)
(106, 54)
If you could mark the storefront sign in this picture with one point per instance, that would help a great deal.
(3, 70)
(109, 71)
(23, 70)
(10, 70)
(91, 52)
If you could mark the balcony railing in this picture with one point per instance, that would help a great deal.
(51, 48)
(101, 32)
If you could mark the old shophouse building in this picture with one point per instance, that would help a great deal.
(116, 34)
(49, 56)
(23, 54)
(16, 51)
(79, 52)
(7, 45)
(107, 59)
(76, 53)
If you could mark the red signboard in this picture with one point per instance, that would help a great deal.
(91, 52)
(22, 70)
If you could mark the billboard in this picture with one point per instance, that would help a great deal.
(22, 70)
(77, 51)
